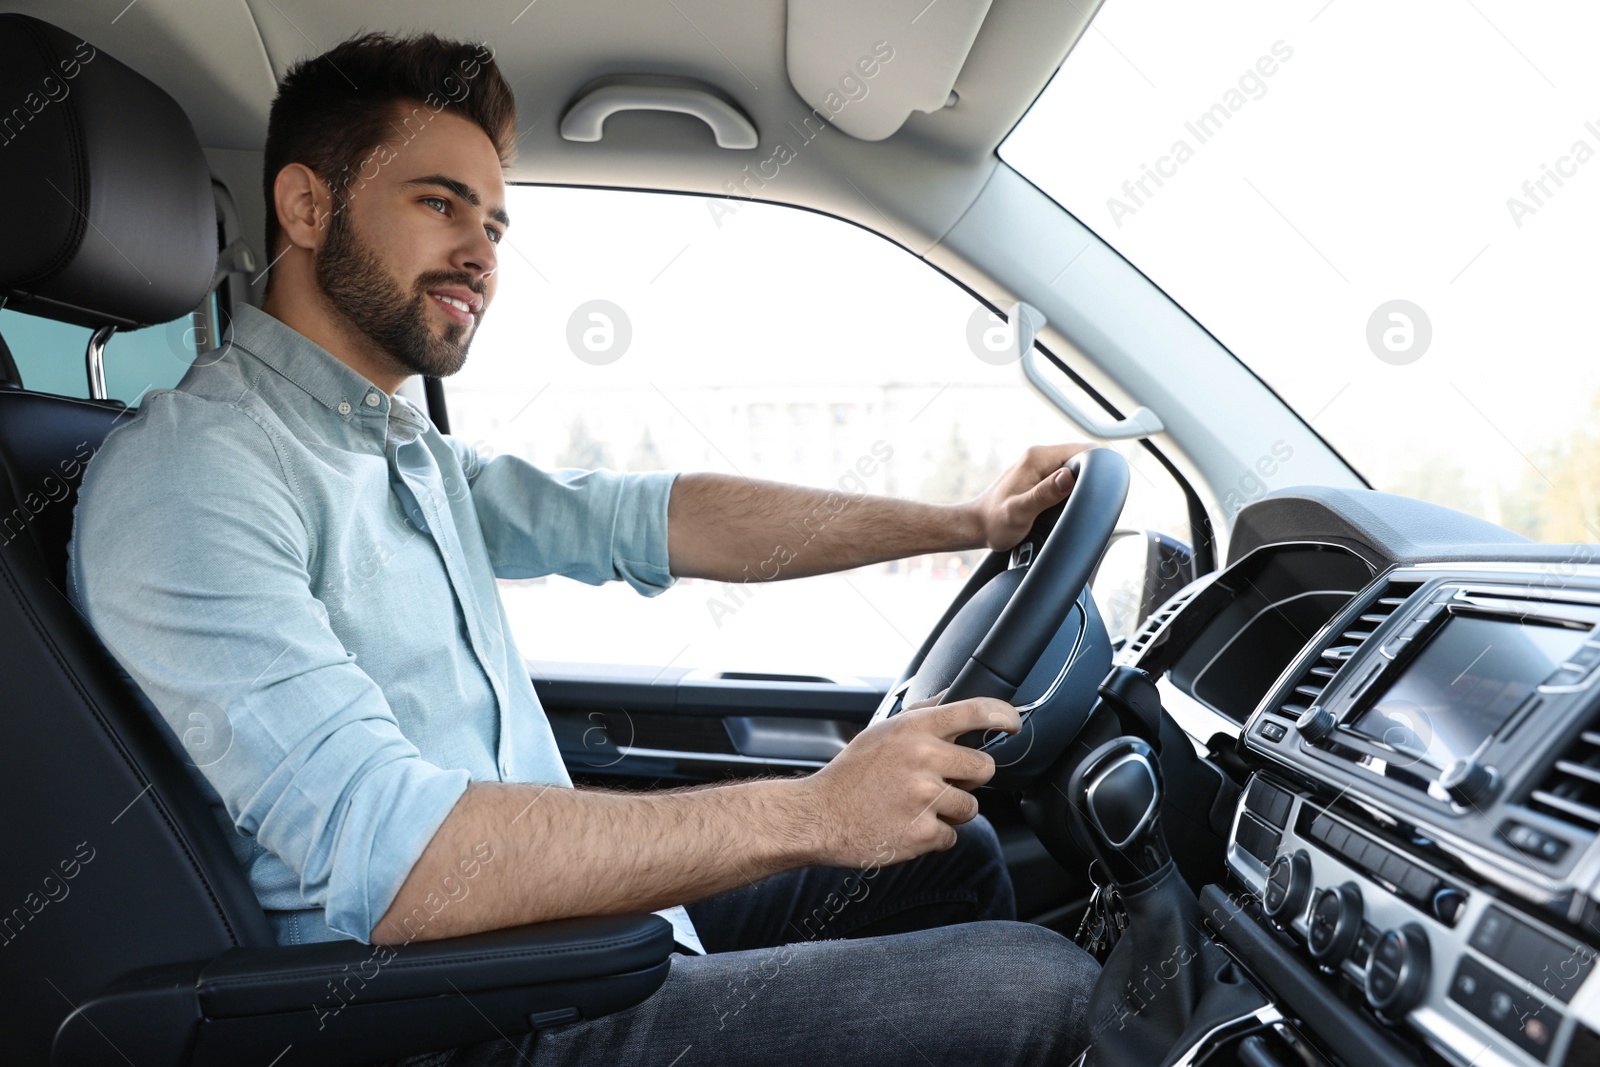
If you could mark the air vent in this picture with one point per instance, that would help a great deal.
(1570, 790)
(1308, 688)
(1146, 633)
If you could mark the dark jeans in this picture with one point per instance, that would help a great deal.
(906, 986)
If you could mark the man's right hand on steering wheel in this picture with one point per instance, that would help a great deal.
(902, 785)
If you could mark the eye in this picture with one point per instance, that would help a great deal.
(438, 203)
(494, 234)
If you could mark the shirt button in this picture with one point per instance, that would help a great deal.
(344, 407)
(372, 400)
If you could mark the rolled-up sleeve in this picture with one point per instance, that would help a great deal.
(591, 526)
(193, 567)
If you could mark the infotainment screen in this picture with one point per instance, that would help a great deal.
(1463, 686)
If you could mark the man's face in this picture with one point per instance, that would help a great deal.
(410, 253)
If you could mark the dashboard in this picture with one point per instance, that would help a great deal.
(1419, 834)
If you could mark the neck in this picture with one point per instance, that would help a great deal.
(307, 313)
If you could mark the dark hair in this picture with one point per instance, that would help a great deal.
(336, 108)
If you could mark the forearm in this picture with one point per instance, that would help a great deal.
(744, 529)
(559, 852)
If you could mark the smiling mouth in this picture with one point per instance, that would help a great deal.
(458, 310)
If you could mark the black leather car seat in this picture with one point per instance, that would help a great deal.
(128, 931)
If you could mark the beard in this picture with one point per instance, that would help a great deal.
(355, 283)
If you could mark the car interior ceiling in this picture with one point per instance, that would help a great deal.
(1239, 773)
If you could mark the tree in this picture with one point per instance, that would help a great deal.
(1443, 480)
(646, 456)
(955, 477)
(1559, 498)
(583, 449)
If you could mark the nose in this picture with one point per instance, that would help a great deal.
(476, 254)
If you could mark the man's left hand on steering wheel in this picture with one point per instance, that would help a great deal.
(1006, 510)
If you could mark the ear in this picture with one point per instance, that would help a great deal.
(304, 205)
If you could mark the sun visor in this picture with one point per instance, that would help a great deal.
(866, 65)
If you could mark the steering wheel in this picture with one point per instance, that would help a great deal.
(1025, 630)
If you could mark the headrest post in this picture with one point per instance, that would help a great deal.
(96, 360)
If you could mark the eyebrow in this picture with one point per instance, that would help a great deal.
(464, 191)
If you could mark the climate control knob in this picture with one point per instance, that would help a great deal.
(1315, 723)
(1288, 887)
(1335, 924)
(1397, 970)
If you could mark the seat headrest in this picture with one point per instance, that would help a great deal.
(108, 215)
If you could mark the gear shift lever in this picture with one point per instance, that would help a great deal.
(1164, 978)
(1116, 793)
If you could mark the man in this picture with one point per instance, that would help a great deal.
(298, 571)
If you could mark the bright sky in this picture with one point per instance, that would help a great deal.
(1369, 158)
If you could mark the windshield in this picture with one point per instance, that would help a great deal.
(1388, 211)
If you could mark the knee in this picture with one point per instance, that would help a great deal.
(1043, 979)
(1022, 954)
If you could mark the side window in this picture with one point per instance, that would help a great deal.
(642, 331)
(50, 355)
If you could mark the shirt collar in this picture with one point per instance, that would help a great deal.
(307, 364)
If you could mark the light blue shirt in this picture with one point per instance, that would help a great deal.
(298, 571)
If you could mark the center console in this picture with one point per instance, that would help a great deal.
(1421, 838)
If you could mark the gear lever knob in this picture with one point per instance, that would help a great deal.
(1116, 793)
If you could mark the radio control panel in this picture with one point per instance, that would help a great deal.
(1423, 945)
(1426, 825)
